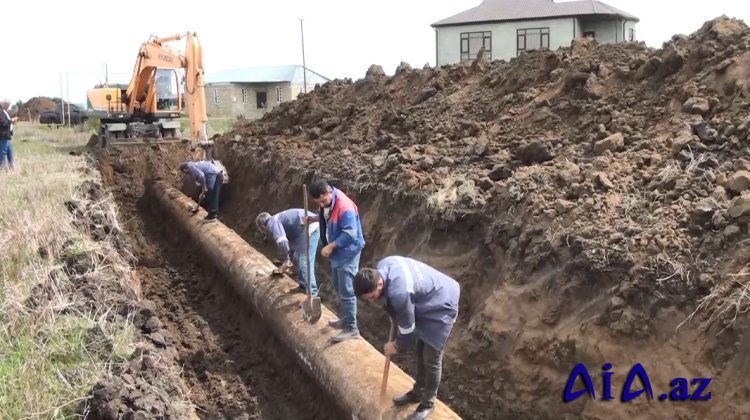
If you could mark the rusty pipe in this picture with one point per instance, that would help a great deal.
(350, 372)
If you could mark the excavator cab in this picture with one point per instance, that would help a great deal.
(168, 96)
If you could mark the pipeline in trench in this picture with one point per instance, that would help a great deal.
(238, 359)
(234, 365)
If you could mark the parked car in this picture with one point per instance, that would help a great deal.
(77, 115)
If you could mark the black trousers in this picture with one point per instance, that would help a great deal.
(213, 197)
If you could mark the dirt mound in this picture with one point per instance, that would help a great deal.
(599, 194)
(34, 107)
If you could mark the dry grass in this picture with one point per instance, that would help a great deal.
(46, 369)
(452, 193)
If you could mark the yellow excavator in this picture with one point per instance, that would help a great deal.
(148, 110)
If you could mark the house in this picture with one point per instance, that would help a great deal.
(252, 92)
(507, 28)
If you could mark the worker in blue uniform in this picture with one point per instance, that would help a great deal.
(424, 303)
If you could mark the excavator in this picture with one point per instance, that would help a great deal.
(147, 111)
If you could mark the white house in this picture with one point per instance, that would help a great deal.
(507, 28)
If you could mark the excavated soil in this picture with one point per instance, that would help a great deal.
(589, 200)
(34, 107)
(233, 366)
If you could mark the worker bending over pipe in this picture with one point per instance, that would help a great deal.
(409, 287)
(210, 178)
(288, 230)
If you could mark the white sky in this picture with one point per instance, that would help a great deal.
(342, 37)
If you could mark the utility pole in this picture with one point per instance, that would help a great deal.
(62, 102)
(106, 75)
(304, 68)
(67, 89)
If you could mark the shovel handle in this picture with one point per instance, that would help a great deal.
(307, 241)
(387, 366)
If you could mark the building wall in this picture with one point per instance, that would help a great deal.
(504, 35)
(631, 25)
(231, 100)
(606, 31)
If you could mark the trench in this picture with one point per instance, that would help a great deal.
(232, 363)
(277, 185)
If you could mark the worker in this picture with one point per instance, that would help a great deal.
(343, 240)
(288, 231)
(424, 304)
(210, 178)
(6, 132)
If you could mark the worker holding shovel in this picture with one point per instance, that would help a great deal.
(288, 230)
(424, 302)
(343, 242)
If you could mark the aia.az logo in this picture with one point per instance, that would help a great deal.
(679, 392)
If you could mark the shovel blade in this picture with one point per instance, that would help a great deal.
(311, 309)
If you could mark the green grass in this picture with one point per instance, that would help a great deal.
(213, 126)
(45, 366)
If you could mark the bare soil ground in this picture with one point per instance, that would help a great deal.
(231, 363)
(592, 202)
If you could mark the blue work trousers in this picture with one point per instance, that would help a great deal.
(6, 151)
(343, 277)
(302, 262)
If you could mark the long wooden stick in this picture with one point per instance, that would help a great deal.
(307, 250)
(387, 366)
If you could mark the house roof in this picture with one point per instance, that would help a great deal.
(505, 10)
(269, 74)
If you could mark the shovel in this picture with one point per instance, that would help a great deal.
(311, 306)
(387, 366)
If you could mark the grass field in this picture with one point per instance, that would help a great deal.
(46, 369)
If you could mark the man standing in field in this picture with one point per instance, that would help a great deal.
(210, 178)
(343, 240)
(424, 303)
(288, 231)
(6, 132)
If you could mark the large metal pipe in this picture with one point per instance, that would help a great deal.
(351, 371)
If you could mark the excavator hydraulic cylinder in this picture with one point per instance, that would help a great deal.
(350, 372)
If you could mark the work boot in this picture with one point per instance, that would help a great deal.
(409, 398)
(347, 334)
(337, 324)
(209, 220)
(422, 412)
(298, 289)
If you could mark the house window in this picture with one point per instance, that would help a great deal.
(631, 34)
(216, 96)
(531, 39)
(471, 42)
(244, 95)
(260, 100)
(278, 95)
(589, 34)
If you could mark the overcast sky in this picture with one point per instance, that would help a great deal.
(342, 37)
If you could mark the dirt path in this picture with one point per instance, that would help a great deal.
(233, 365)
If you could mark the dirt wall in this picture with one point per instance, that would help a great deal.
(530, 310)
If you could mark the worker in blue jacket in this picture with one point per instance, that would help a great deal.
(343, 239)
(210, 178)
(288, 230)
(424, 303)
